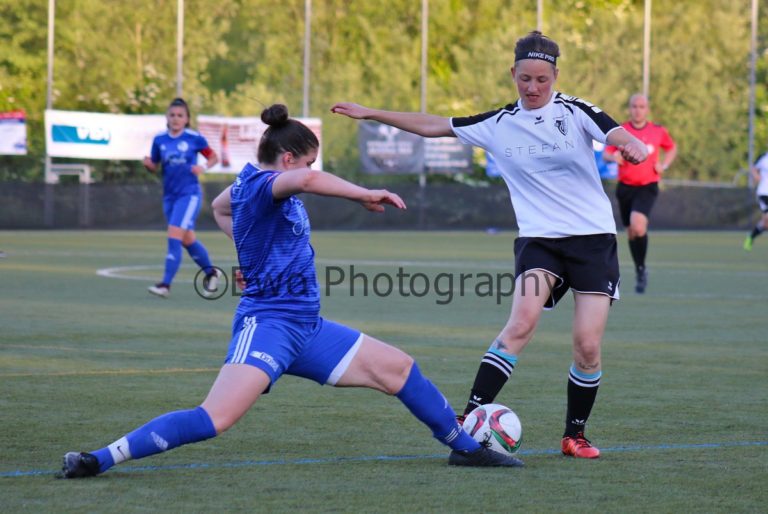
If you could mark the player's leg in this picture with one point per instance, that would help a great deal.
(235, 390)
(376, 365)
(589, 321)
(637, 232)
(343, 357)
(761, 224)
(173, 258)
(199, 254)
(173, 211)
(532, 291)
(195, 248)
(636, 225)
(379, 366)
(197, 251)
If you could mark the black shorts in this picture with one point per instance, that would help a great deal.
(636, 198)
(762, 201)
(586, 264)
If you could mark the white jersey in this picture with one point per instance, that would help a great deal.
(545, 156)
(762, 167)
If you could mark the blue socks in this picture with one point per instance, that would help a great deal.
(429, 405)
(200, 255)
(164, 433)
(177, 428)
(172, 260)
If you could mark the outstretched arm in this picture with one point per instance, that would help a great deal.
(427, 125)
(630, 148)
(326, 184)
(222, 211)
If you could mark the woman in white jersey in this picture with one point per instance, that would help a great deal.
(760, 177)
(567, 239)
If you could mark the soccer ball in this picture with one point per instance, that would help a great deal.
(497, 426)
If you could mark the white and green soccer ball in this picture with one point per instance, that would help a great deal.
(496, 426)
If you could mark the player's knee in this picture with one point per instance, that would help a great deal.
(397, 374)
(587, 352)
(520, 328)
(222, 419)
(223, 423)
(389, 375)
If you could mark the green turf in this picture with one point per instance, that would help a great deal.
(84, 359)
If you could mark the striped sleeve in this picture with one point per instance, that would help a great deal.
(591, 117)
(475, 130)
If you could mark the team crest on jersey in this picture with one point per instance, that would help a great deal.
(183, 146)
(561, 125)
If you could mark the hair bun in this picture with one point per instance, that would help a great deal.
(275, 115)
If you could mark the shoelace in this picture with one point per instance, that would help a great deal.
(581, 441)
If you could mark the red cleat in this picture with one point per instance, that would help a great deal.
(579, 447)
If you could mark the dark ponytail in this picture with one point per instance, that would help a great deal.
(284, 134)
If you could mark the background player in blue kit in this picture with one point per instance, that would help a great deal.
(277, 328)
(176, 149)
(542, 143)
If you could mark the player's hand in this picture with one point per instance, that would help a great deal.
(378, 198)
(147, 162)
(354, 111)
(239, 280)
(634, 152)
(197, 169)
(659, 167)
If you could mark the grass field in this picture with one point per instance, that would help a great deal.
(682, 413)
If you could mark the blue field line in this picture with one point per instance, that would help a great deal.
(385, 458)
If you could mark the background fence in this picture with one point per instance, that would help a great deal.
(448, 206)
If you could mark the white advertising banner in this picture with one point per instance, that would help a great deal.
(91, 135)
(13, 133)
(235, 140)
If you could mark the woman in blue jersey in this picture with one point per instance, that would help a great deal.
(176, 150)
(277, 328)
(542, 144)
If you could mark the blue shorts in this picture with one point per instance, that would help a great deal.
(182, 211)
(321, 350)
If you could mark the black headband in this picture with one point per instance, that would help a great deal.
(536, 55)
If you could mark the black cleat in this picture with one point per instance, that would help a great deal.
(642, 281)
(483, 457)
(79, 465)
